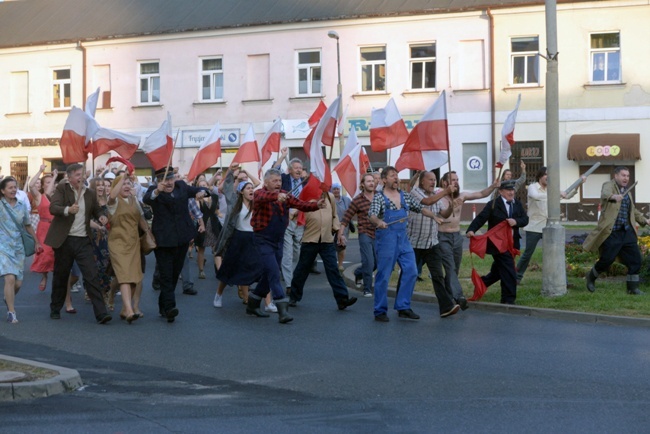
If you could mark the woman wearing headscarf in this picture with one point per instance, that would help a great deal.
(40, 190)
(13, 212)
(124, 241)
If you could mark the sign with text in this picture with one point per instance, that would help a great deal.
(195, 138)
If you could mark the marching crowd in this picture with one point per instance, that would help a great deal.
(265, 240)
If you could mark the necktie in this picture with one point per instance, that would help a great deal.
(509, 202)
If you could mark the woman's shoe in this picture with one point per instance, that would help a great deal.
(11, 317)
(131, 318)
(201, 275)
(71, 310)
(42, 285)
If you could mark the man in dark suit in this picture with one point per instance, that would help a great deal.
(504, 207)
(173, 229)
(72, 206)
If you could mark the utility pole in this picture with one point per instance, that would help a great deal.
(554, 260)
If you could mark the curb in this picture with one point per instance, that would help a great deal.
(67, 381)
(538, 312)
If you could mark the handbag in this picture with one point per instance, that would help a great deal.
(147, 242)
(28, 240)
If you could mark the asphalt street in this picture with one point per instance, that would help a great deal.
(330, 371)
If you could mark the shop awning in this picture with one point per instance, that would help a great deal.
(604, 147)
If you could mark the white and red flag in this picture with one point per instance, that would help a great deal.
(106, 140)
(508, 135)
(208, 154)
(91, 103)
(323, 135)
(271, 142)
(349, 167)
(427, 146)
(387, 128)
(313, 122)
(248, 150)
(77, 131)
(158, 147)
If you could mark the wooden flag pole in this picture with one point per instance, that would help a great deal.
(499, 178)
(171, 154)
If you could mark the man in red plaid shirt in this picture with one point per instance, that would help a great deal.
(269, 220)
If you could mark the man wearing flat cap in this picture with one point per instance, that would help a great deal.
(503, 207)
(173, 229)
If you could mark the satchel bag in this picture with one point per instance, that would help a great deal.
(147, 242)
(28, 241)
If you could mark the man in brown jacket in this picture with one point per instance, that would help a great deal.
(72, 206)
(616, 233)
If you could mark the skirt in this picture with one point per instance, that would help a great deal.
(240, 265)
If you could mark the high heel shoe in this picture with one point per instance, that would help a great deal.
(131, 318)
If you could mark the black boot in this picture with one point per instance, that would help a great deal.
(283, 307)
(633, 285)
(591, 280)
(253, 308)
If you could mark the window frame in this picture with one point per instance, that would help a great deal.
(150, 77)
(605, 52)
(525, 55)
(213, 73)
(63, 82)
(373, 63)
(423, 61)
(310, 67)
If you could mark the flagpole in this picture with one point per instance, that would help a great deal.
(499, 178)
(171, 154)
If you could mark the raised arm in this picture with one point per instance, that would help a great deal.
(32, 182)
(483, 193)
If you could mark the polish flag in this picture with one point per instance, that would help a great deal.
(349, 166)
(78, 129)
(208, 154)
(106, 140)
(364, 160)
(427, 146)
(387, 128)
(323, 135)
(508, 135)
(271, 142)
(91, 103)
(313, 122)
(248, 150)
(158, 147)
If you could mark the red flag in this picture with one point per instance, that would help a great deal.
(248, 150)
(106, 140)
(508, 135)
(158, 147)
(427, 147)
(500, 236)
(479, 286)
(364, 161)
(311, 190)
(78, 129)
(129, 166)
(208, 154)
(271, 142)
(387, 128)
(349, 166)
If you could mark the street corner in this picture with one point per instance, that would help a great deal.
(26, 379)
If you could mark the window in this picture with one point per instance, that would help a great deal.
(373, 69)
(423, 66)
(309, 73)
(102, 80)
(258, 78)
(525, 60)
(149, 83)
(19, 92)
(212, 79)
(61, 88)
(605, 57)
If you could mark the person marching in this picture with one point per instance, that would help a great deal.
(270, 219)
(616, 233)
(389, 213)
(505, 207)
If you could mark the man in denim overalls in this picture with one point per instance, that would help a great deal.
(389, 212)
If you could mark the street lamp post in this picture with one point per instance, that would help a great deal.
(339, 88)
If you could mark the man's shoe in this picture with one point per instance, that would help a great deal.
(253, 308)
(462, 302)
(454, 310)
(190, 291)
(591, 280)
(55, 314)
(367, 293)
(408, 313)
(345, 303)
(171, 314)
(104, 318)
(283, 308)
(382, 317)
(292, 302)
(314, 271)
(358, 280)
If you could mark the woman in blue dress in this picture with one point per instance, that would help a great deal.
(13, 212)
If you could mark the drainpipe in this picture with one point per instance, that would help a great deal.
(492, 97)
(83, 72)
